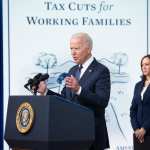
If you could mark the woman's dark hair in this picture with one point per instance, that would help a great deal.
(146, 56)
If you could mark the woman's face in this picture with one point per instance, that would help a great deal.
(145, 66)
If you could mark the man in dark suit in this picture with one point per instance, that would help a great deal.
(88, 84)
(92, 88)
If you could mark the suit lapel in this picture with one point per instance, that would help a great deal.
(147, 92)
(88, 72)
(84, 77)
(141, 87)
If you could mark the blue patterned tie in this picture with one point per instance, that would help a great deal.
(78, 72)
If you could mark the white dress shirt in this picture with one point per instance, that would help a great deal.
(143, 91)
(85, 65)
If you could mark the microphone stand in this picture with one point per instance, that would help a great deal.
(34, 93)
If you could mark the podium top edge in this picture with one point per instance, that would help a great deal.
(62, 99)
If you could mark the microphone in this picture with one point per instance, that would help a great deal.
(44, 77)
(65, 74)
(62, 77)
(38, 78)
(30, 81)
(35, 81)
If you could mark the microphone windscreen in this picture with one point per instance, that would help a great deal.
(30, 81)
(37, 77)
(44, 77)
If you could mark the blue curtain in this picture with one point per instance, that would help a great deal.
(1, 78)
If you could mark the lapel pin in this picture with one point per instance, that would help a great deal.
(90, 70)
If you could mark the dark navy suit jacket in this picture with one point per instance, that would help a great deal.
(95, 94)
(140, 109)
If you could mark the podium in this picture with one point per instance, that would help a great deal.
(141, 146)
(54, 124)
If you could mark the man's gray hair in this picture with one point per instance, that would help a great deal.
(85, 36)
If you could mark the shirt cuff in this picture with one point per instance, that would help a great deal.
(79, 91)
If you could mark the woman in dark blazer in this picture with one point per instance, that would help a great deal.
(140, 107)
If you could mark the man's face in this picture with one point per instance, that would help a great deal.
(80, 50)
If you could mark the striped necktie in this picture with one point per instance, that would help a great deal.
(78, 72)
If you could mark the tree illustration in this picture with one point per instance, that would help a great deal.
(46, 61)
(119, 59)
